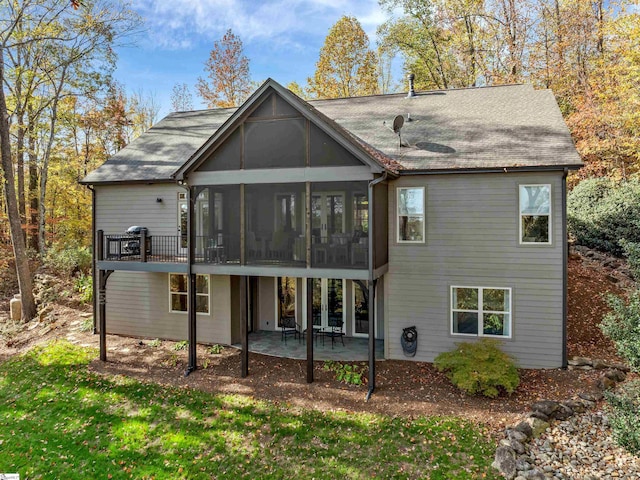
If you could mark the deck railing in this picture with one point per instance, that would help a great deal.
(223, 249)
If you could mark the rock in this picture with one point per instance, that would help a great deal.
(620, 366)
(522, 464)
(534, 474)
(517, 447)
(505, 462)
(42, 314)
(525, 428)
(505, 442)
(605, 383)
(548, 407)
(581, 367)
(537, 426)
(599, 364)
(576, 405)
(539, 415)
(516, 435)
(562, 413)
(520, 477)
(616, 375)
(591, 396)
(579, 361)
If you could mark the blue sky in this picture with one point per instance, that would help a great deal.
(282, 39)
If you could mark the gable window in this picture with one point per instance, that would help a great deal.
(410, 217)
(179, 299)
(481, 311)
(535, 214)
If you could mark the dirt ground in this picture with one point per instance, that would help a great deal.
(403, 388)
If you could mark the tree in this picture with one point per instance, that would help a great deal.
(228, 73)
(62, 44)
(346, 67)
(297, 89)
(181, 98)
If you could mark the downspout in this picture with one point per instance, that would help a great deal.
(94, 262)
(372, 289)
(565, 260)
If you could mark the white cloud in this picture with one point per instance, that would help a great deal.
(178, 25)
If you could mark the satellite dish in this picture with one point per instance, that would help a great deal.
(398, 122)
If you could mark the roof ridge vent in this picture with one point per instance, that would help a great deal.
(412, 91)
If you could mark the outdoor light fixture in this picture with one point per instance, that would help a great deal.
(159, 200)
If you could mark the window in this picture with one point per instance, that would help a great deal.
(481, 311)
(411, 215)
(178, 293)
(535, 214)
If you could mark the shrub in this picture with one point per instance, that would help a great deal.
(84, 285)
(624, 406)
(86, 325)
(216, 349)
(181, 345)
(479, 367)
(600, 213)
(67, 260)
(632, 252)
(344, 372)
(622, 325)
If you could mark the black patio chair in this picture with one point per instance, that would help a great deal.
(335, 330)
(289, 327)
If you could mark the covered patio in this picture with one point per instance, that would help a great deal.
(271, 343)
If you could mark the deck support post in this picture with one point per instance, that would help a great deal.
(244, 330)
(191, 281)
(103, 275)
(309, 330)
(372, 337)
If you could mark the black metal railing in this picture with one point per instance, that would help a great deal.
(225, 249)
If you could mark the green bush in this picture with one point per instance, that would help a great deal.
(480, 367)
(624, 415)
(601, 213)
(69, 259)
(216, 349)
(632, 252)
(622, 325)
(181, 345)
(344, 372)
(84, 286)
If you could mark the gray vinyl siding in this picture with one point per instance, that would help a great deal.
(121, 206)
(138, 305)
(472, 240)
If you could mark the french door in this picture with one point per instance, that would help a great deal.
(183, 218)
(328, 303)
(327, 215)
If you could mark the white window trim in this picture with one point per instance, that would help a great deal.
(208, 294)
(480, 312)
(424, 201)
(520, 187)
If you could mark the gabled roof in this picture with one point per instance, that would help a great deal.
(511, 126)
(475, 128)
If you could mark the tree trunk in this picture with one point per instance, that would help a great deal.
(17, 238)
(44, 172)
(33, 183)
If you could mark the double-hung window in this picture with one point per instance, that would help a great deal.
(535, 214)
(481, 311)
(179, 299)
(410, 218)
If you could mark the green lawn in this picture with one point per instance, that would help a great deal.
(59, 420)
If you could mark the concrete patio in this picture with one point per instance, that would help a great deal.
(271, 343)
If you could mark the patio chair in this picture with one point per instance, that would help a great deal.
(289, 327)
(335, 330)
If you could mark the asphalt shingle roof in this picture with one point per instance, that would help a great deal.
(477, 128)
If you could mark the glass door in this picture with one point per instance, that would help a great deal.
(286, 299)
(327, 215)
(183, 217)
(360, 310)
(328, 303)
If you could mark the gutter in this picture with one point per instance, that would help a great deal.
(372, 289)
(453, 171)
(565, 268)
(191, 305)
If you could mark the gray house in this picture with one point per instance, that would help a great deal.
(362, 216)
